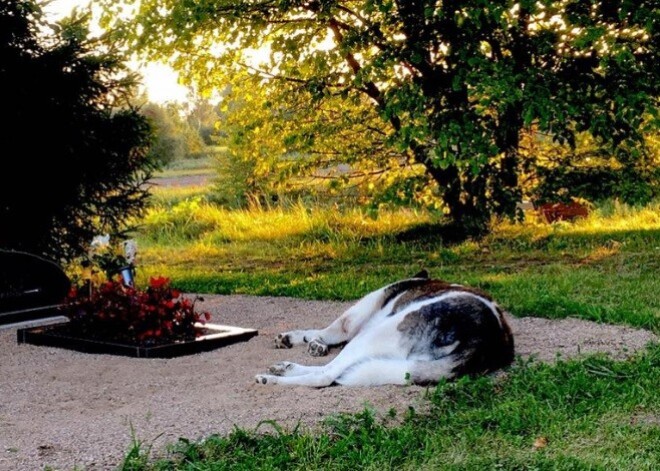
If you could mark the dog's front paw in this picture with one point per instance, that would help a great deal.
(317, 348)
(281, 368)
(283, 341)
(266, 379)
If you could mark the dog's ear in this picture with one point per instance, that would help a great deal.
(422, 274)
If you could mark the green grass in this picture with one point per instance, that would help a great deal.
(201, 166)
(603, 268)
(589, 414)
(594, 414)
(169, 197)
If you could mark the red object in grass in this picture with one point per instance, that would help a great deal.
(159, 282)
(563, 211)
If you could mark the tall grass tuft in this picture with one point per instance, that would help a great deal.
(197, 219)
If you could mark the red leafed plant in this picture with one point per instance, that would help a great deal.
(117, 312)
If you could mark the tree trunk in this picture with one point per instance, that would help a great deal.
(506, 192)
(468, 219)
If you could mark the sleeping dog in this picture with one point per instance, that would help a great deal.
(414, 331)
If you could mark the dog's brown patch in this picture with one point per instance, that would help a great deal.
(433, 288)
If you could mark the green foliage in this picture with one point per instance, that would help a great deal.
(78, 155)
(436, 92)
(325, 149)
(202, 117)
(561, 173)
(175, 139)
(238, 182)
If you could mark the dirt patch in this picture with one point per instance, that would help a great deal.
(201, 179)
(64, 409)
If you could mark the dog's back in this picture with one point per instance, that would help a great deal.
(435, 315)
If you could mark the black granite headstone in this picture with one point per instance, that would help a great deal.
(31, 287)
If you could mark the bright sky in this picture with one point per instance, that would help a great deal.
(159, 80)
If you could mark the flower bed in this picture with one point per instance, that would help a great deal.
(119, 319)
(115, 311)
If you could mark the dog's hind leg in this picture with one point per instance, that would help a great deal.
(340, 331)
(317, 346)
(380, 342)
(381, 371)
(318, 339)
(295, 337)
(317, 379)
(364, 372)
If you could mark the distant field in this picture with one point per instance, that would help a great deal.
(179, 168)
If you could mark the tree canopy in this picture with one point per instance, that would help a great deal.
(74, 156)
(175, 138)
(420, 91)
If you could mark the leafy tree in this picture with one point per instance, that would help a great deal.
(453, 83)
(588, 171)
(202, 117)
(174, 137)
(74, 158)
(168, 144)
(320, 147)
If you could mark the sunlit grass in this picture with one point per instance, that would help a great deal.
(609, 218)
(194, 218)
(601, 268)
(169, 196)
(184, 172)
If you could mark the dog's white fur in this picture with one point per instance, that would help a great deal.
(397, 335)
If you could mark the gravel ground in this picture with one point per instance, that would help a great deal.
(184, 180)
(65, 409)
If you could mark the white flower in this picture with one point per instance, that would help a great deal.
(130, 250)
(101, 241)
